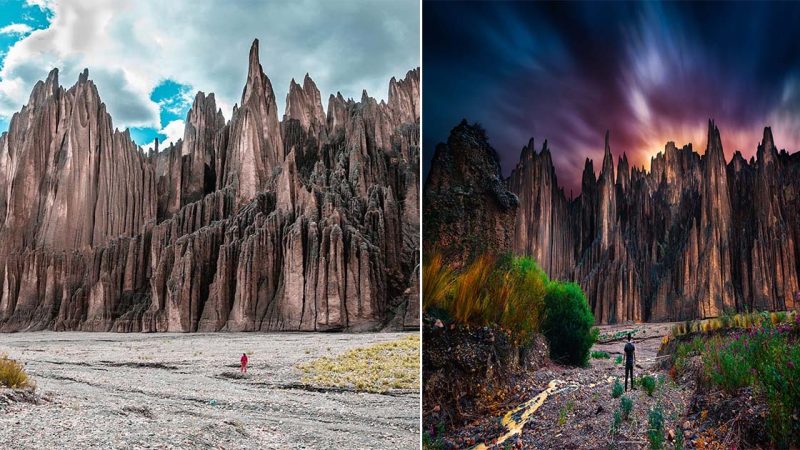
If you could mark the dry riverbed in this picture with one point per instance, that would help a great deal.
(578, 410)
(106, 390)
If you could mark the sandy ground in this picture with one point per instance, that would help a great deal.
(106, 390)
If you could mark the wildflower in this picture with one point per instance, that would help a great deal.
(790, 364)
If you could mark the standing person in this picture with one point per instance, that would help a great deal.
(243, 369)
(630, 358)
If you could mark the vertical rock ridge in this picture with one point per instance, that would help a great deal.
(253, 224)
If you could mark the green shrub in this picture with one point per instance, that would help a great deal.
(655, 428)
(727, 364)
(766, 359)
(678, 440)
(12, 374)
(617, 389)
(601, 355)
(618, 360)
(626, 406)
(568, 324)
(617, 421)
(518, 287)
(648, 382)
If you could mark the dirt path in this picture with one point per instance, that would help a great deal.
(578, 411)
(182, 390)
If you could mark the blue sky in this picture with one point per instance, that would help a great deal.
(148, 58)
(17, 20)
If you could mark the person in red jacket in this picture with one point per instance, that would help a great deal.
(243, 369)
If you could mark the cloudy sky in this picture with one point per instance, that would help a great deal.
(149, 57)
(649, 72)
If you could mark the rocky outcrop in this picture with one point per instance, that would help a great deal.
(694, 237)
(468, 210)
(306, 223)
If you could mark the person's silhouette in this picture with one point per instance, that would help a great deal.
(243, 369)
(630, 358)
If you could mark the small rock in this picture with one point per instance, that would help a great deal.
(671, 435)
(438, 324)
(687, 425)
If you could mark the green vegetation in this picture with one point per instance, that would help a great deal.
(616, 390)
(12, 374)
(516, 295)
(626, 406)
(766, 358)
(655, 428)
(568, 324)
(648, 382)
(617, 335)
(678, 444)
(617, 421)
(564, 412)
(601, 355)
(433, 440)
(376, 368)
(618, 360)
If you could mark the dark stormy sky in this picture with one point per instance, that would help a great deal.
(648, 72)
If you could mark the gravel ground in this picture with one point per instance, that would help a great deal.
(106, 390)
(579, 413)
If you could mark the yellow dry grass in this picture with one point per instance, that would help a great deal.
(740, 320)
(377, 368)
(12, 374)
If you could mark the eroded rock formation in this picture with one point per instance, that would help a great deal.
(306, 223)
(693, 237)
(468, 210)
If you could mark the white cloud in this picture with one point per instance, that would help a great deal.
(132, 46)
(16, 28)
(173, 131)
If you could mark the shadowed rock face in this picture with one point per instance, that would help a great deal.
(468, 210)
(309, 223)
(693, 237)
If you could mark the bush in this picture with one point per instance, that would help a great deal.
(617, 422)
(766, 359)
(517, 289)
(626, 406)
(618, 360)
(12, 374)
(508, 292)
(655, 428)
(648, 383)
(617, 389)
(568, 323)
(728, 365)
(601, 355)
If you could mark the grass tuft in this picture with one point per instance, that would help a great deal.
(648, 382)
(626, 406)
(12, 374)
(616, 390)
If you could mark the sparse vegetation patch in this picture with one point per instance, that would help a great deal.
(377, 368)
(12, 374)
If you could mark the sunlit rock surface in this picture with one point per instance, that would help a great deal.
(257, 223)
